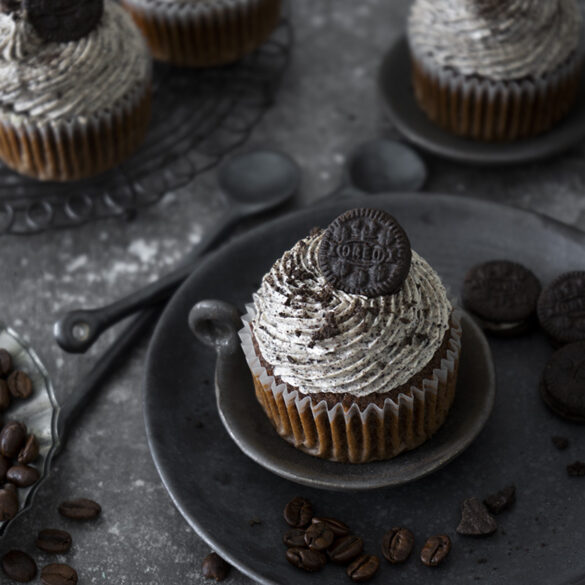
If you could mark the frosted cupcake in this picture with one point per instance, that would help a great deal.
(75, 87)
(493, 70)
(204, 33)
(352, 342)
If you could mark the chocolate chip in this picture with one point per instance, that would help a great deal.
(214, 567)
(306, 559)
(397, 545)
(502, 294)
(561, 308)
(365, 251)
(80, 509)
(19, 384)
(561, 443)
(64, 21)
(475, 519)
(6, 363)
(501, 500)
(562, 384)
(298, 512)
(19, 566)
(435, 550)
(576, 469)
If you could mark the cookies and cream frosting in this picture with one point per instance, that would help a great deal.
(509, 40)
(51, 81)
(319, 339)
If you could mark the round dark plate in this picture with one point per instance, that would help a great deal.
(411, 121)
(251, 430)
(223, 494)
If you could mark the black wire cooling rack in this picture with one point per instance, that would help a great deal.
(199, 116)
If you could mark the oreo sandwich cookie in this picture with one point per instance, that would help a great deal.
(502, 296)
(562, 386)
(365, 252)
(561, 308)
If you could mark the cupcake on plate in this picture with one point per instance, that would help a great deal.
(75, 87)
(492, 70)
(204, 33)
(352, 342)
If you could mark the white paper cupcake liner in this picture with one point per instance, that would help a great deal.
(489, 110)
(352, 434)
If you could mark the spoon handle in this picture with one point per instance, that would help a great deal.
(77, 331)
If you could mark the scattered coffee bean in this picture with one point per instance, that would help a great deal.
(294, 537)
(4, 395)
(397, 545)
(561, 443)
(214, 567)
(363, 568)
(30, 451)
(501, 500)
(319, 536)
(4, 467)
(8, 503)
(19, 566)
(58, 574)
(6, 364)
(80, 509)
(475, 519)
(19, 384)
(576, 469)
(336, 526)
(345, 549)
(306, 559)
(435, 550)
(53, 541)
(12, 438)
(298, 512)
(22, 475)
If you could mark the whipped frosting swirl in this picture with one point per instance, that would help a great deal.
(319, 339)
(64, 81)
(500, 40)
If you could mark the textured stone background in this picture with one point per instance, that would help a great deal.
(328, 104)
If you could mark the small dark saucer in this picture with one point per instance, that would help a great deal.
(411, 121)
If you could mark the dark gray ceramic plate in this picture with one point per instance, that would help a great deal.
(221, 492)
(410, 120)
(251, 430)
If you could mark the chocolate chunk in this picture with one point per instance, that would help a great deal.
(475, 519)
(501, 500)
(562, 385)
(365, 251)
(62, 21)
(298, 512)
(561, 443)
(502, 294)
(576, 469)
(6, 363)
(561, 308)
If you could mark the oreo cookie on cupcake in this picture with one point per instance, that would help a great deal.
(352, 342)
(204, 33)
(495, 71)
(75, 87)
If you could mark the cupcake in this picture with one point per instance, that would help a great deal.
(204, 33)
(492, 70)
(352, 342)
(75, 87)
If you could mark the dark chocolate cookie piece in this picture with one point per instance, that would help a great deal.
(365, 251)
(563, 382)
(561, 308)
(62, 21)
(475, 519)
(503, 294)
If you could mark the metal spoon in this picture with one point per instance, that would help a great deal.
(253, 182)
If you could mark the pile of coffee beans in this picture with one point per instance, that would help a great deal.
(20, 566)
(18, 448)
(313, 541)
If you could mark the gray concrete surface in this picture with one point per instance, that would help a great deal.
(327, 105)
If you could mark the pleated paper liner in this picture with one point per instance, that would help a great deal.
(69, 150)
(353, 435)
(492, 111)
(204, 34)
